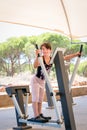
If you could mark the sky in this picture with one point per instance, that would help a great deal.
(8, 30)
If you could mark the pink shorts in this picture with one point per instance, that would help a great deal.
(37, 89)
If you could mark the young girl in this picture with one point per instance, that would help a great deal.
(38, 81)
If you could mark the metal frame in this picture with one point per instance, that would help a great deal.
(49, 98)
(21, 109)
(75, 67)
(63, 92)
(52, 94)
(18, 94)
(65, 96)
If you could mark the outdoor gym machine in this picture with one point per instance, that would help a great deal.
(75, 67)
(19, 94)
(50, 103)
(22, 117)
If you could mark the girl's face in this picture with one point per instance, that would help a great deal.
(45, 51)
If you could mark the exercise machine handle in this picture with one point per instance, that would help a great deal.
(81, 48)
(36, 46)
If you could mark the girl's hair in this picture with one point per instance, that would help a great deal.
(46, 44)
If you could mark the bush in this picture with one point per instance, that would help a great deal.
(71, 67)
(82, 68)
(85, 71)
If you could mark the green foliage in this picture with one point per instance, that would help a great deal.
(85, 50)
(82, 68)
(10, 53)
(71, 67)
(29, 48)
(17, 54)
(73, 48)
(27, 67)
(55, 40)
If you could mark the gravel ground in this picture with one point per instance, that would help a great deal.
(24, 78)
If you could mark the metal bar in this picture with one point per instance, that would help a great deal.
(65, 97)
(75, 67)
(19, 97)
(49, 124)
(74, 72)
(58, 114)
(49, 98)
(26, 104)
(17, 106)
(54, 54)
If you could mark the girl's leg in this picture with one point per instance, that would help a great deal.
(41, 96)
(35, 97)
(40, 108)
(35, 108)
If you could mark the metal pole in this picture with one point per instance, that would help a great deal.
(58, 114)
(75, 68)
(17, 106)
(26, 104)
(49, 98)
(65, 96)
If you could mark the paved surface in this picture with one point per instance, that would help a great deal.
(8, 120)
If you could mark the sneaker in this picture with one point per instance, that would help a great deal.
(38, 119)
(44, 117)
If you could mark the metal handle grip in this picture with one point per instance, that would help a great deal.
(81, 48)
(37, 49)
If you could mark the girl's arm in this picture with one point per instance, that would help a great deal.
(36, 62)
(68, 57)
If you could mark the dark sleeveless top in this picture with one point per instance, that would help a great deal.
(39, 72)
